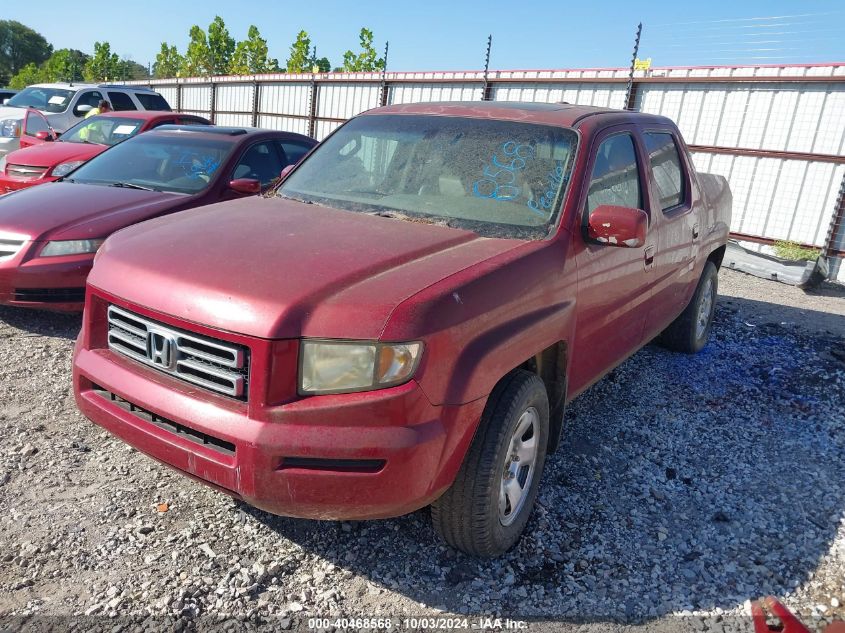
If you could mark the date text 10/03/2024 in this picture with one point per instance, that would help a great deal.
(414, 623)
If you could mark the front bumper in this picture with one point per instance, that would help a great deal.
(9, 144)
(352, 456)
(46, 283)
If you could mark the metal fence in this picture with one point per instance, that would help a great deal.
(776, 132)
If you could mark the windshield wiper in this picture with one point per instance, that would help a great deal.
(131, 185)
(303, 201)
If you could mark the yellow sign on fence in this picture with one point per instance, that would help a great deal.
(642, 64)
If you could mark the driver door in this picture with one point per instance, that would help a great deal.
(35, 129)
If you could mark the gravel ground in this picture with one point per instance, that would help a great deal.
(684, 487)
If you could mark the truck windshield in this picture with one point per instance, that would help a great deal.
(168, 162)
(44, 99)
(497, 178)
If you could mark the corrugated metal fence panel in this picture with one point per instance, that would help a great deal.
(415, 93)
(323, 128)
(235, 98)
(196, 98)
(792, 117)
(169, 94)
(344, 101)
(233, 120)
(602, 95)
(285, 98)
(780, 198)
(284, 123)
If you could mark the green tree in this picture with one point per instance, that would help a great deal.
(20, 46)
(221, 47)
(323, 65)
(130, 70)
(65, 64)
(168, 62)
(365, 61)
(103, 65)
(300, 60)
(28, 75)
(197, 60)
(251, 55)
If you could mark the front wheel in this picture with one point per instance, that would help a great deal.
(488, 505)
(691, 330)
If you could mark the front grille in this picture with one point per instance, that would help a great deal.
(50, 295)
(216, 365)
(10, 244)
(28, 172)
(192, 435)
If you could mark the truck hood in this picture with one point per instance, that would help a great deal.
(275, 268)
(52, 154)
(7, 112)
(63, 210)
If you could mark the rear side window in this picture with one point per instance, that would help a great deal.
(615, 179)
(260, 162)
(152, 101)
(293, 151)
(121, 101)
(666, 167)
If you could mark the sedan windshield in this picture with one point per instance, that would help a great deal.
(102, 130)
(171, 162)
(44, 99)
(497, 178)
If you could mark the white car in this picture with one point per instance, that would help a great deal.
(64, 105)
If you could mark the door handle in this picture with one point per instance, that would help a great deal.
(695, 231)
(649, 256)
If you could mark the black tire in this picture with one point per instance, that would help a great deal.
(684, 334)
(467, 516)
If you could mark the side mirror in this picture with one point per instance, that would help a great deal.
(84, 109)
(44, 135)
(286, 171)
(618, 226)
(245, 185)
(5, 101)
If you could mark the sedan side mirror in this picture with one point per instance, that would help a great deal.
(245, 185)
(44, 135)
(618, 226)
(286, 171)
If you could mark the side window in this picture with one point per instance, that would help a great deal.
(615, 179)
(89, 97)
(261, 162)
(293, 151)
(666, 167)
(152, 101)
(121, 101)
(35, 123)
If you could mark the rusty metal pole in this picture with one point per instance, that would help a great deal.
(485, 93)
(383, 92)
(630, 92)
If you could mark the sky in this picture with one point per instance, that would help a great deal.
(452, 34)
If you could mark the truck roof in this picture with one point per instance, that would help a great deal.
(560, 114)
(79, 86)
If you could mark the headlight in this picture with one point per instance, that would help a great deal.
(10, 127)
(347, 366)
(65, 168)
(71, 247)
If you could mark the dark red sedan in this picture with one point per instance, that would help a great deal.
(44, 157)
(50, 234)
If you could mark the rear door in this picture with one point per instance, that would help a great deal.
(33, 123)
(613, 281)
(676, 218)
(120, 101)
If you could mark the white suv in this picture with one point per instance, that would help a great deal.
(64, 105)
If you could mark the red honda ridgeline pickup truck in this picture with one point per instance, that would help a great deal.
(403, 323)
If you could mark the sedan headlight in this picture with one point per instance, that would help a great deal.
(71, 247)
(10, 127)
(65, 168)
(348, 366)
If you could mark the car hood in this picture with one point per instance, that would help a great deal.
(274, 268)
(7, 112)
(63, 210)
(52, 154)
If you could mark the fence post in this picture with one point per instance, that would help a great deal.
(631, 90)
(178, 96)
(312, 114)
(485, 93)
(837, 223)
(383, 93)
(255, 103)
(213, 104)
